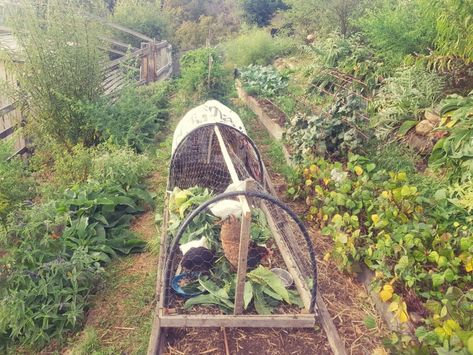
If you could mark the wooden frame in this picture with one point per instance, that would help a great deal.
(165, 319)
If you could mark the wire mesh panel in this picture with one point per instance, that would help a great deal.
(202, 139)
(198, 159)
(202, 264)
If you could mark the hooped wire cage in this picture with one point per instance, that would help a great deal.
(232, 254)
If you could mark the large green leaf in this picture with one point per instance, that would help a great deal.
(266, 277)
(248, 294)
(261, 306)
(406, 127)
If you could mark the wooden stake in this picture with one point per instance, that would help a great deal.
(242, 258)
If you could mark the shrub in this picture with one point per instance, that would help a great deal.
(403, 96)
(334, 132)
(120, 166)
(256, 46)
(134, 118)
(349, 55)
(455, 150)
(62, 67)
(260, 12)
(16, 185)
(419, 244)
(105, 164)
(454, 28)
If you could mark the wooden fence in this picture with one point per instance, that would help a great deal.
(152, 62)
(10, 114)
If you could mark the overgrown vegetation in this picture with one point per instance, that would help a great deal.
(378, 88)
(61, 69)
(256, 46)
(379, 122)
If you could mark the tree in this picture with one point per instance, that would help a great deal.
(260, 12)
(307, 16)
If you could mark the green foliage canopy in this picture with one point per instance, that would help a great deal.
(260, 12)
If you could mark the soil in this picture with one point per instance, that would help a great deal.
(273, 111)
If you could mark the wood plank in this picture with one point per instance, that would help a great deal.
(334, 340)
(291, 265)
(118, 43)
(239, 321)
(129, 31)
(8, 108)
(242, 257)
(158, 334)
(112, 50)
(226, 156)
(116, 62)
(6, 133)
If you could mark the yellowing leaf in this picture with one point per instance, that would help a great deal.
(308, 182)
(327, 257)
(469, 264)
(402, 176)
(450, 326)
(385, 295)
(375, 218)
(358, 170)
(337, 219)
(325, 217)
(313, 168)
(385, 194)
(403, 316)
(393, 307)
(326, 181)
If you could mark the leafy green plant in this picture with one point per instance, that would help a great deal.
(456, 149)
(59, 169)
(263, 81)
(349, 55)
(403, 96)
(16, 185)
(416, 240)
(264, 288)
(454, 28)
(55, 255)
(334, 132)
(120, 166)
(399, 28)
(135, 118)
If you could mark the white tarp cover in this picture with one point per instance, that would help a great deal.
(210, 112)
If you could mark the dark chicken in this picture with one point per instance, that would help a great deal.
(256, 254)
(198, 259)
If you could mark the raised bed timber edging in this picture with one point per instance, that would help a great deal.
(366, 276)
